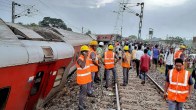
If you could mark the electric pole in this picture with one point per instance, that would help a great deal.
(140, 23)
(13, 11)
(82, 30)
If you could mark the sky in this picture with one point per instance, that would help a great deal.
(165, 17)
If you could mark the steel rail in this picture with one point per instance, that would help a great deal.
(159, 87)
(117, 97)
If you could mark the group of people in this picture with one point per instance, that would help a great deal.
(178, 80)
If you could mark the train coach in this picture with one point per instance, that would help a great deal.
(34, 64)
(76, 40)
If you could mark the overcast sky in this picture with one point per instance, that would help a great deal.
(166, 17)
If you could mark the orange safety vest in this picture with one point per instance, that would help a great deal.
(177, 54)
(83, 74)
(127, 60)
(109, 59)
(178, 85)
(93, 67)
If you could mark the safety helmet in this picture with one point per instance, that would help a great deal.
(126, 48)
(101, 43)
(84, 48)
(182, 47)
(93, 42)
(111, 47)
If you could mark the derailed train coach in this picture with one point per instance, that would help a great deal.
(33, 65)
(76, 40)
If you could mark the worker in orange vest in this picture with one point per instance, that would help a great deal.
(109, 64)
(83, 75)
(180, 53)
(126, 63)
(93, 60)
(178, 86)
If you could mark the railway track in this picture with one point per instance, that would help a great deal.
(134, 96)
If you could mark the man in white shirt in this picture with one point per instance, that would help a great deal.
(139, 54)
(169, 60)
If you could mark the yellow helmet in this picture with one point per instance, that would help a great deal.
(84, 48)
(182, 47)
(111, 47)
(93, 42)
(126, 48)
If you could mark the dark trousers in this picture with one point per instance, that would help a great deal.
(108, 75)
(137, 66)
(82, 95)
(125, 75)
(167, 68)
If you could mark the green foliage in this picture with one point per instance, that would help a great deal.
(172, 40)
(54, 22)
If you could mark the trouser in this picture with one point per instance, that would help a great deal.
(143, 76)
(137, 66)
(108, 75)
(167, 68)
(96, 76)
(125, 75)
(90, 84)
(82, 95)
(173, 105)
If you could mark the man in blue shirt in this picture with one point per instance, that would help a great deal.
(155, 57)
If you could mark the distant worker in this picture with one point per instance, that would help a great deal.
(83, 75)
(155, 57)
(178, 86)
(93, 60)
(133, 54)
(180, 53)
(169, 60)
(126, 63)
(109, 64)
(144, 65)
(100, 52)
(139, 54)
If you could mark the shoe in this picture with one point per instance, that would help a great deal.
(123, 84)
(90, 95)
(143, 82)
(105, 86)
(96, 81)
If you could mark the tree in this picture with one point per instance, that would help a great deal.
(54, 22)
(171, 40)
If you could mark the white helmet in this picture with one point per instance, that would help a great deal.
(101, 43)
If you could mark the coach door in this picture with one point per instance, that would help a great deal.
(40, 80)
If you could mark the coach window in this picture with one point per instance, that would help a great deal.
(59, 77)
(37, 83)
(4, 93)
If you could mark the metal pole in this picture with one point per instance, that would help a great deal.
(121, 30)
(140, 23)
(13, 11)
(82, 29)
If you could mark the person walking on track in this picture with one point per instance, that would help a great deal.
(144, 65)
(178, 86)
(139, 54)
(93, 60)
(109, 64)
(83, 75)
(100, 52)
(133, 54)
(126, 63)
(169, 60)
(180, 53)
(155, 57)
